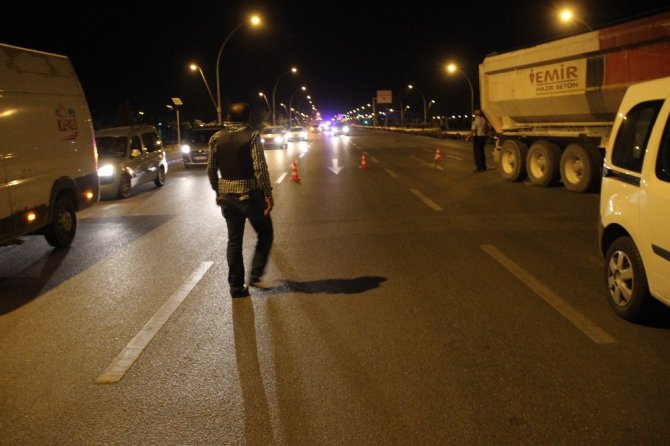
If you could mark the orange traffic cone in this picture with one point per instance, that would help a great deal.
(438, 155)
(364, 162)
(294, 172)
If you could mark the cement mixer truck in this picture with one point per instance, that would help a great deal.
(553, 105)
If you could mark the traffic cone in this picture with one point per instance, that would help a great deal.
(438, 155)
(364, 162)
(294, 172)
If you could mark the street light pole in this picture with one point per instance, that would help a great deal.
(412, 87)
(261, 94)
(255, 20)
(451, 68)
(290, 102)
(274, 92)
(195, 67)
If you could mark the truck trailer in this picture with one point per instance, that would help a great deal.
(553, 105)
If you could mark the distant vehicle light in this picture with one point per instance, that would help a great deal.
(106, 171)
(185, 148)
(345, 129)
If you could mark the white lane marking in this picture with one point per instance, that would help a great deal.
(430, 203)
(374, 159)
(302, 154)
(335, 168)
(392, 173)
(281, 178)
(454, 157)
(124, 360)
(435, 165)
(585, 325)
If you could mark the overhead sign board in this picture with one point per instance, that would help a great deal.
(384, 97)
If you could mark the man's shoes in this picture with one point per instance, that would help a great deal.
(256, 282)
(242, 291)
(479, 170)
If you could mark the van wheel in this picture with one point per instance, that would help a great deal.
(542, 164)
(579, 167)
(513, 160)
(125, 187)
(626, 280)
(160, 178)
(61, 231)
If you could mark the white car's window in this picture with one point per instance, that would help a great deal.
(631, 142)
(663, 162)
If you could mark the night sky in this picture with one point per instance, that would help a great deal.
(138, 54)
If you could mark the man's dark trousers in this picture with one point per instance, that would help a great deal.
(478, 143)
(236, 208)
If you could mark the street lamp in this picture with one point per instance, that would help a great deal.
(412, 87)
(452, 68)
(293, 70)
(568, 15)
(261, 94)
(195, 67)
(253, 21)
(290, 102)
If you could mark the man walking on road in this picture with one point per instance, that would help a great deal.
(239, 175)
(478, 134)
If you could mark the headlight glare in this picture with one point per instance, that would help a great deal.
(185, 148)
(106, 171)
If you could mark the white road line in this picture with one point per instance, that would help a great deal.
(124, 360)
(454, 157)
(281, 178)
(435, 165)
(430, 203)
(302, 154)
(374, 159)
(585, 325)
(392, 173)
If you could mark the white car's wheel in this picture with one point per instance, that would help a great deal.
(626, 280)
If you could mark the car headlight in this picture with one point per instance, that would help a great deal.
(262, 140)
(185, 148)
(345, 129)
(106, 171)
(303, 135)
(278, 139)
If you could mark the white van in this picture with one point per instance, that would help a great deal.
(635, 202)
(48, 162)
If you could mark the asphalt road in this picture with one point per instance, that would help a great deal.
(411, 303)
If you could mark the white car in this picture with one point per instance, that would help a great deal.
(273, 136)
(635, 202)
(296, 134)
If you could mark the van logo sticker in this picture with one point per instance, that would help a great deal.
(68, 126)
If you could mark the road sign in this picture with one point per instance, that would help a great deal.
(384, 97)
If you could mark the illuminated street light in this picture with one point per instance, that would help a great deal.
(261, 94)
(290, 102)
(568, 16)
(293, 70)
(452, 68)
(253, 21)
(195, 67)
(412, 87)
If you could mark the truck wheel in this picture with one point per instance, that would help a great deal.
(62, 229)
(125, 186)
(160, 178)
(579, 167)
(626, 280)
(543, 162)
(513, 160)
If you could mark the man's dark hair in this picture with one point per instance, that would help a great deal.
(239, 112)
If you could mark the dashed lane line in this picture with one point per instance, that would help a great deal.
(281, 178)
(585, 325)
(124, 360)
(428, 202)
(392, 173)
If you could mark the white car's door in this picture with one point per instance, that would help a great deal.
(655, 213)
